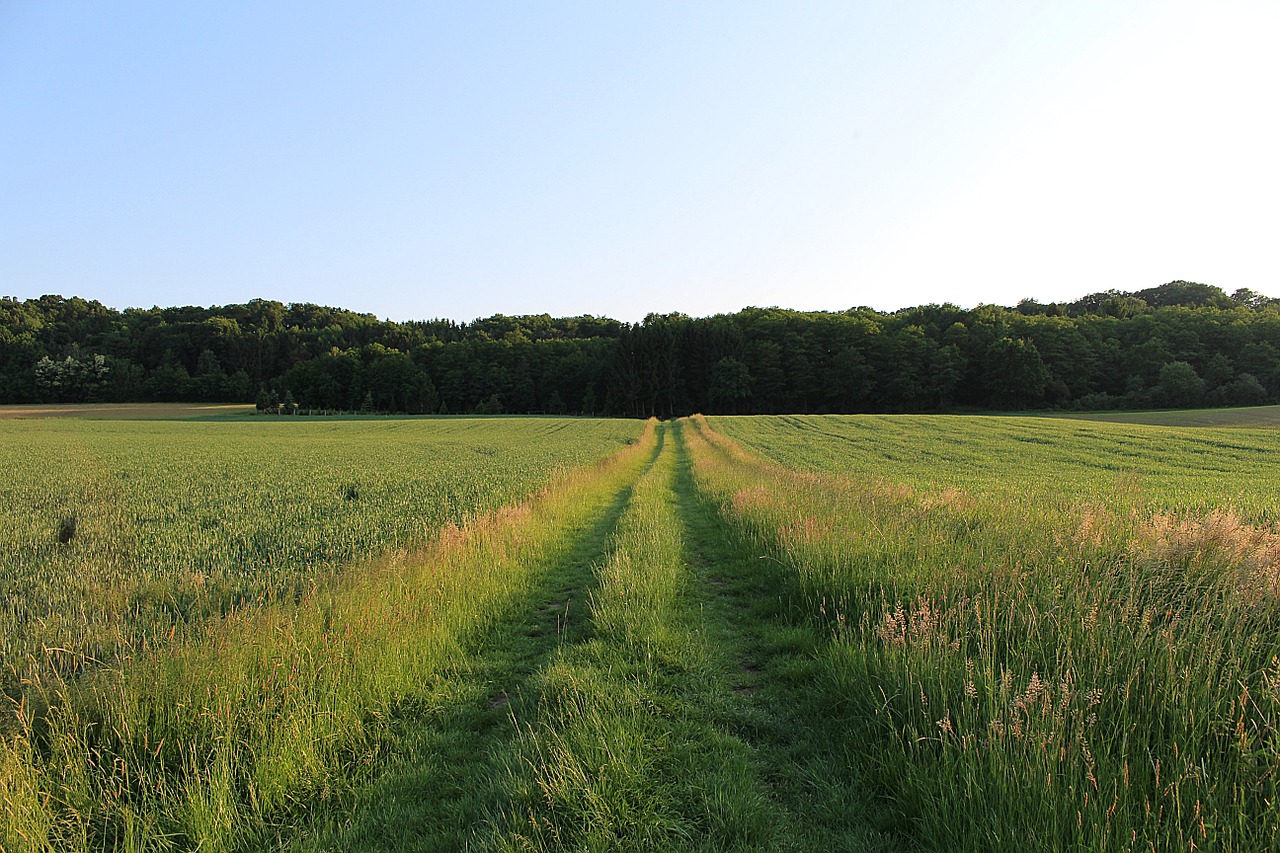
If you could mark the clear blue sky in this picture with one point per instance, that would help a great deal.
(417, 159)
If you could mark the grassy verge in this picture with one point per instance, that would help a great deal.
(248, 722)
(1019, 676)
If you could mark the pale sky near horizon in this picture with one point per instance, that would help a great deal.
(417, 160)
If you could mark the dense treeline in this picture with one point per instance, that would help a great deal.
(1180, 344)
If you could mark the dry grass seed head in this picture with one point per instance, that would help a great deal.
(1253, 552)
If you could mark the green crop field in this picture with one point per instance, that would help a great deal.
(1258, 417)
(1044, 459)
(738, 633)
(176, 521)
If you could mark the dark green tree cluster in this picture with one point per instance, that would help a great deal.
(1178, 345)
(72, 350)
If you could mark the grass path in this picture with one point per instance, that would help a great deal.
(634, 744)
(770, 661)
(647, 693)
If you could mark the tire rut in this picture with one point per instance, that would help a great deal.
(769, 668)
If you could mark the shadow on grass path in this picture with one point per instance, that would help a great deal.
(770, 664)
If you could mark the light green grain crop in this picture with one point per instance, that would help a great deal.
(177, 522)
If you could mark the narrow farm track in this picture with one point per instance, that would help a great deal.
(680, 718)
(632, 745)
(646, 693)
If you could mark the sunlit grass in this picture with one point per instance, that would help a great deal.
(1010, 630)
(1040, 460)
(1027, 665)
(177, 522)
(204, 737)
(629, 750)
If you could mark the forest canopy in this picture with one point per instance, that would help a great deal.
(1180, 344)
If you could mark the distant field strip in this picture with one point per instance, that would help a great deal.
(126, 411)
(1041, 459)
(1030, 654)
(1256, 417)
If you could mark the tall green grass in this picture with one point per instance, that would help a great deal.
(630, 748)
(241, 723)
(1025, 667)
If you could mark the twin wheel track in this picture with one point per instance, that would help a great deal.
(647, 693)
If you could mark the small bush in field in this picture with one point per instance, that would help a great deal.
(66, 529)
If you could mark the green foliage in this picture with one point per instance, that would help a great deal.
(1244, 390)
(1185, 293)
(1015, 372)
(730, 384)
(1180, 387)
(70, 380)
(1105, 350)
(491, 406)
